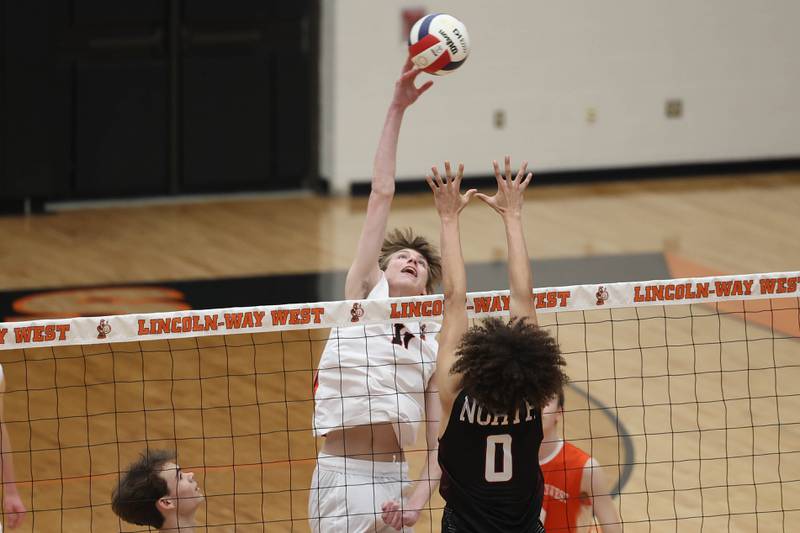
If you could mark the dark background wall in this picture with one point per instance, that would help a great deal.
(153, 97)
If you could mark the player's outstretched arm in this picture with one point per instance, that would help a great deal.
(595, 484)
(449, 204)
(508, 201)
(12, 504)
(364, 273)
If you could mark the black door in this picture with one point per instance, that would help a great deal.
(114, 63)
(143, 97)
(245, 94)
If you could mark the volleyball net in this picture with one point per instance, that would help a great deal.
(687, 392)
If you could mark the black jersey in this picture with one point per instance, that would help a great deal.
(490, 468)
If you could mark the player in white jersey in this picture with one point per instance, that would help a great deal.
(374, 385)
(12, 504)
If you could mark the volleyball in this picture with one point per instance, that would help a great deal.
(438, 43)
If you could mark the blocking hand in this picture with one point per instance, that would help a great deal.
(508, 199)
(447, 190)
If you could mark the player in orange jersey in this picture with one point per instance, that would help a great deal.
(574, 485)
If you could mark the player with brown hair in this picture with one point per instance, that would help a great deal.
(156, 492)
(373, 388)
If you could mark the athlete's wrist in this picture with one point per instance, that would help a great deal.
(397, 107)
(512, 217)
(419, 497)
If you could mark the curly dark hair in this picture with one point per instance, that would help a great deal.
(503, 364)
(401, 239)
(134, 499)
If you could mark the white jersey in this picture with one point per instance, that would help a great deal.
(375, 374)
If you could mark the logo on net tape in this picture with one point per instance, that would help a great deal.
(356, 312)
(103, 329)
(601, 295)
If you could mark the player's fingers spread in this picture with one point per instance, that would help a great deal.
(432, 186)
(522, 169)
(527, 180)
(424, 87)
(410, 73)
(436, 177)
(497, 174)
(416, 71)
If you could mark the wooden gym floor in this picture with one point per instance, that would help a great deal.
(245, 401)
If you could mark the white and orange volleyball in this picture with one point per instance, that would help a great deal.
(438, 43)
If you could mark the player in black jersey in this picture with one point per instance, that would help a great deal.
(493, 378)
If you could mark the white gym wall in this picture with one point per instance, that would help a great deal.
(548, 66)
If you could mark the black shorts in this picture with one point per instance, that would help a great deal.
(452, 524)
